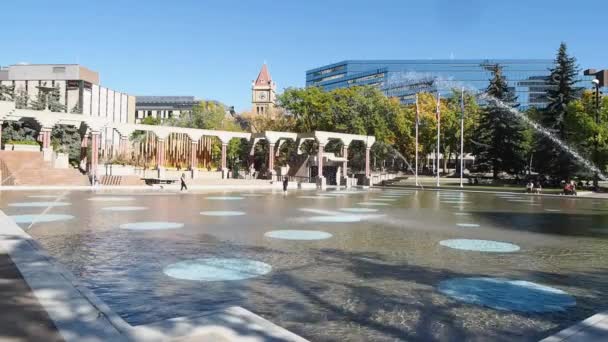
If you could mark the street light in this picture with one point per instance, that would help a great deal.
(600, 80)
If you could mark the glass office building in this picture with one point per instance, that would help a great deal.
(404, 78)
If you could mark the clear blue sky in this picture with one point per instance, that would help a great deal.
(214, 49)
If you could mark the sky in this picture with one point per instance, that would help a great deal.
(214, 49)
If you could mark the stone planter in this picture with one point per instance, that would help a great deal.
(22, 148)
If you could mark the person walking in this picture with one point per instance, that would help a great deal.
(183, 181)
(285, 183)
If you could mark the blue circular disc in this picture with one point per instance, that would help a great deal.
(298, 234)
(222, 213)
(217, 269)
(480, 245)
(40, 218)
(154, 225)
(506, 294)
(38, 204)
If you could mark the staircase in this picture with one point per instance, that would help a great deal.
(29, 168)
(121, 180)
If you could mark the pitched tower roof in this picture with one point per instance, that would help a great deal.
(263, 77)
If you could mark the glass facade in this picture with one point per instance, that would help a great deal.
(404, 78)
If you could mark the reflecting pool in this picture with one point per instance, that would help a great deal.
(378, 265)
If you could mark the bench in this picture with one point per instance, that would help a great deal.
(150, 181)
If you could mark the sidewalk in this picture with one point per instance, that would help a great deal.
(22, 318)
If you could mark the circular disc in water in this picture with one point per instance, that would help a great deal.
(38, 204)
(480, 245)
(40, 218)
(506, 294)
(298, 234)
(217, 269)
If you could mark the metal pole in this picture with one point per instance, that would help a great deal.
(416, 161)
(462, 137)
(597, 121)
(438, 134)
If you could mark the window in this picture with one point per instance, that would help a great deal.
(58, 70)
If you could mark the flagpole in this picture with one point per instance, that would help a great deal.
(461, 136)
(438, 134)
(416, 161)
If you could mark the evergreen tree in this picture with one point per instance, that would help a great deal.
(562, 90)
(41, 101)
(54, 100)
(6, 92)
(500, 134)
(21, 99)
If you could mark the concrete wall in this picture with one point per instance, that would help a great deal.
(52, 72)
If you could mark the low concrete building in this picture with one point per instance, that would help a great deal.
(79, 91)
(162, 107)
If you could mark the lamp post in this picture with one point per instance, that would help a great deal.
(596, 82)
(600, 80)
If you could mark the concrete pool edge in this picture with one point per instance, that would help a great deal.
(582, 194)
(80, 315)
(594, 328)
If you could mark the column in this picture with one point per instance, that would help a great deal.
(193, 160)
(345, 164)
(367, 168)
(1, 123)
(224, 148)
(320, 160)
(160, 153)
(271, 170)
(94, 152)
(83, 152)
(45, 139)
(123, 145)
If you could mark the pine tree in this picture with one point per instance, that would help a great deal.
(561, 90)
(7, 93)
(54, 99)
(500, 134)
(21, 99)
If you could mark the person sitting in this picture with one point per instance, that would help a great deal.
(530, 187)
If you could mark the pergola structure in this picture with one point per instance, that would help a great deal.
(92, 127)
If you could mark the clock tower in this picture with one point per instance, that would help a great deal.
(263, 94)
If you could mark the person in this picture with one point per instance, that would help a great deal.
(568, 188)
(183, 181)
(285, 183)
(538, 188)
(573, 187)
(530, 187)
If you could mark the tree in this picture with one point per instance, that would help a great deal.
(500, 135)
(7, 93)
(585, 134)
(54, 100)
(21, 99)
(18, 131)
(562, 90)
(67, 139)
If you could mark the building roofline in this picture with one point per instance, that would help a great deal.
(430, 61)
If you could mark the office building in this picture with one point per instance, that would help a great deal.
(404, 78)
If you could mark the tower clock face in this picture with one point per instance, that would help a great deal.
(262, 96)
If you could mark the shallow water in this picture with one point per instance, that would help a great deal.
(376, 279)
